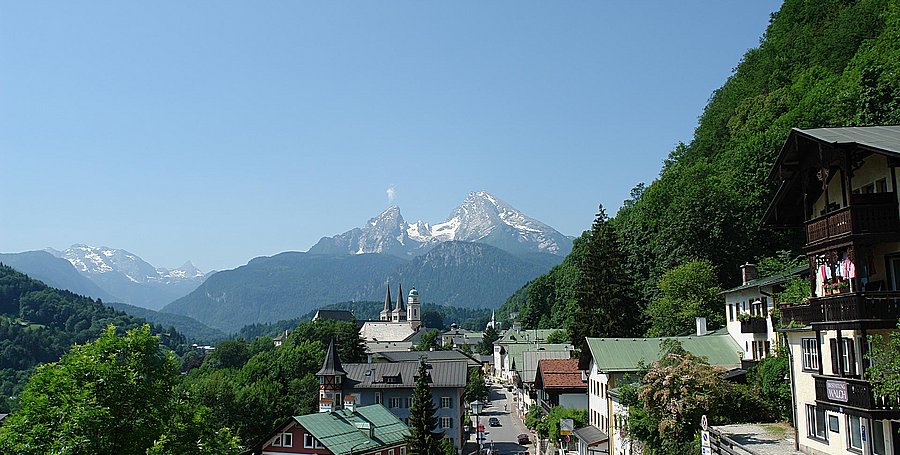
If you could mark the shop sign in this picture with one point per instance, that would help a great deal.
(836, 391)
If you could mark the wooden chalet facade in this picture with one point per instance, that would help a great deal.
(839, 186)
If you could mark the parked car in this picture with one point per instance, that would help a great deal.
(494, 422)
(523, 439)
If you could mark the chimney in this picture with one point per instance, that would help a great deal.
(701, 327)
(365, 428)
(748, 273)
(350, 403)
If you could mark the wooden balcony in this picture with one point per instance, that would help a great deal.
(866, 214)
(881, 305)
(754, 325)
(852, 393)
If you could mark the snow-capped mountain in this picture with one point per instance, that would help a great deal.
(92, 260)
(128, 277)
(480, 218)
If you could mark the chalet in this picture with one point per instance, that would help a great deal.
(527, 391)
(839, 186)
(363, 430)
(391, 384)
(611, 361)
(748, 310)
(560, 382)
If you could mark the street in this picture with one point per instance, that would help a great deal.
(502, 439)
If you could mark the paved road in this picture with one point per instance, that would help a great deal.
(502, 438)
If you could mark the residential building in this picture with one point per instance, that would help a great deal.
(363, 430)
(429, 356)
(526, 388)
(748, 309)
(611, 361)
(458, 337)
(559, 382)
(502, 359)
(840, 186)
(392, 385)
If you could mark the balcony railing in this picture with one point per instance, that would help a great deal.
(754, 325)
(850, 392)
(867, 214)
(844, 307)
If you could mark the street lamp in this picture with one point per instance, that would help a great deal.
(477, 406)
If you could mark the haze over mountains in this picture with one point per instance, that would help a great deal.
(477, 257)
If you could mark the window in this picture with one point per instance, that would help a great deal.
(846, 359)
(878, 438)
(854, 433)
(394, 402)
(810, 353)
(377, 397)
(283, 440)
(309, 442)
(403, 451)
(446, 422)
(730, 312)
(391, 452)
(815, 423)
(446, 402)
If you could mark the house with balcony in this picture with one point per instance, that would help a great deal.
(559, 382)
(839, 186)
(748, 311)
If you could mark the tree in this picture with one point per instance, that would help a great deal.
(112, 395)
(686, 292)
(428, 342)
(486, 345)
(476, 388)
(605, 305)
(884, 371)
(558, 336)
(665, 407)
(432, 318)
(422, 440)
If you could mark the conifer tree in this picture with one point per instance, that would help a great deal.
(422, 440)
(605, 306)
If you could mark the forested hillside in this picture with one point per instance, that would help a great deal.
(819, 64)
(39, 323)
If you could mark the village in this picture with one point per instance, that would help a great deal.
(838, 184)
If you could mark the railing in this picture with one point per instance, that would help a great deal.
(754, 325)
(867, 214)
(844, 307)
(851, 392)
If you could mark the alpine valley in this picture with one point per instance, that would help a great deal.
(481, 254)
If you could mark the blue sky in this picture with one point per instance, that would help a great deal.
(219, 131)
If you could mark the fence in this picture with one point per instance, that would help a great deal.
(723, 445)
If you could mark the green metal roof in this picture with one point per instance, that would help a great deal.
(627, 354)
(525, 336)
(516, 352)
(340, 432)
(771, 279)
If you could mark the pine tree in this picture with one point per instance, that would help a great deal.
(605, 306)
(422, 440)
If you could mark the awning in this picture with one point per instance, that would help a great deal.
(591, 435)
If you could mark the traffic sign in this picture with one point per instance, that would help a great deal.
(704, 423)
(704, 439)
(566, 426)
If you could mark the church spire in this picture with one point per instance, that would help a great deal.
(400, 298)
(386, 312)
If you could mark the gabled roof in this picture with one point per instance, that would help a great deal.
(628, 354)
(451, 373)
(342, 431)
(560, 374)
(333, 315)
(591, 435)
(525, 336)
(770, 280)
(386, 331)
(332, 364)
(430, 356)
(806, 148)
(516, 353)
(530, 359)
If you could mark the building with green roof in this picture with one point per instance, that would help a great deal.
(363, 430)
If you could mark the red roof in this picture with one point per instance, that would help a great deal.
(561, 374)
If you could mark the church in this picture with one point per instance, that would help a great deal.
(397, 323)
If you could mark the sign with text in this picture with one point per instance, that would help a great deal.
(566, 426)
(836, 391)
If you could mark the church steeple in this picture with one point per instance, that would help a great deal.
(386, 311)
(399, 314)
(330, 378)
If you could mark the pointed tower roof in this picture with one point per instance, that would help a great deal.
(332, 365)
(387, 298)
(400, 298)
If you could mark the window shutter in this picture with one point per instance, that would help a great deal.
(834, 356)
(851, 351)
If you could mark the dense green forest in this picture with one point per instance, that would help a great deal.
(193, 329)
(433, 316)
(819, 64)
(39, 323)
